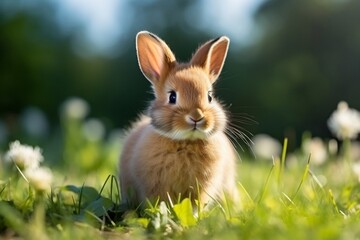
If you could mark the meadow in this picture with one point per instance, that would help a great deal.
(67, 189)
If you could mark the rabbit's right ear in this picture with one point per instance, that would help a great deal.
(211, 56)
(154, 56)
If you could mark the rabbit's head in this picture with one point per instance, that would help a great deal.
(184, 107)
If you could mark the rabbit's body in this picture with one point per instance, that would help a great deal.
(177, 167)
(180, 148)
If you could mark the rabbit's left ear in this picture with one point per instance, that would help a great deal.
(211, 56)
(154, 56)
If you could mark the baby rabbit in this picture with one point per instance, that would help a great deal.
(179, 149)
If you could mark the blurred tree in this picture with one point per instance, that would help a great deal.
(305, 63)
(128, 92)
(38, 65)
(290, 80)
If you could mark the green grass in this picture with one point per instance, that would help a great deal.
(279, 200)
(296, 206)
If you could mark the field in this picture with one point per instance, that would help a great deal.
(74, 193)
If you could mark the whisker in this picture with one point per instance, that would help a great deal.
(248, 143)
(234, 131)
(243, 137)
(241, 129)
(242, 118)
(234, 142)
(233, 139)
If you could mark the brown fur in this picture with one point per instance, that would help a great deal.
(179, 149)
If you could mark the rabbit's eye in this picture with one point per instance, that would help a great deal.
(210, 98)
(172, 97)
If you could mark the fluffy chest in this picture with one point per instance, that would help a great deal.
(176, 166)
(183, 156)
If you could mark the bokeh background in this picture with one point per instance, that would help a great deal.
(289, 64)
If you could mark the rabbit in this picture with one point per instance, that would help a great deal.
(179, 149)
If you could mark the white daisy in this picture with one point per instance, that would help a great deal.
(24, 156)
(317, 148)
(39, 178)
(344, 123)
(75, 108)
(356, 169)
(266, 147)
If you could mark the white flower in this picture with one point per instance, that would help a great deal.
(24, 156)
(266, 147)
(34, 122)
(94, 130)
(75, 108)
(344, 123)
(355, 151)
(356, 169)
(317, 149)
(39, 178)
(333, 146)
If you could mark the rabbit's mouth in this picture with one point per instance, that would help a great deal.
(193, 133)
(189, 129)
(196, 131)
(195, 127)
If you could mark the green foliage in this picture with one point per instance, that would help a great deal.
(184, 213)
(277, 200)
(306, 56)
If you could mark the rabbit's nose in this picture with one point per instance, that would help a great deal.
(195, 116)
(196, 120)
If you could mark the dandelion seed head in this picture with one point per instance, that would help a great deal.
(355, 151)
(356, 169)
(94, 130)
(333, 146)
(75, 108)
(317, 148)
(266, 147)
(344, 122)
(34, 122)
(24, 156)
(39, 178)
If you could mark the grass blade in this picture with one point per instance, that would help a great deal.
(331, 195)
(282, 161)
(307, 168)
(263, 190)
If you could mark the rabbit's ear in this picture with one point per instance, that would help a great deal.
(154, 56)
(211, 56)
